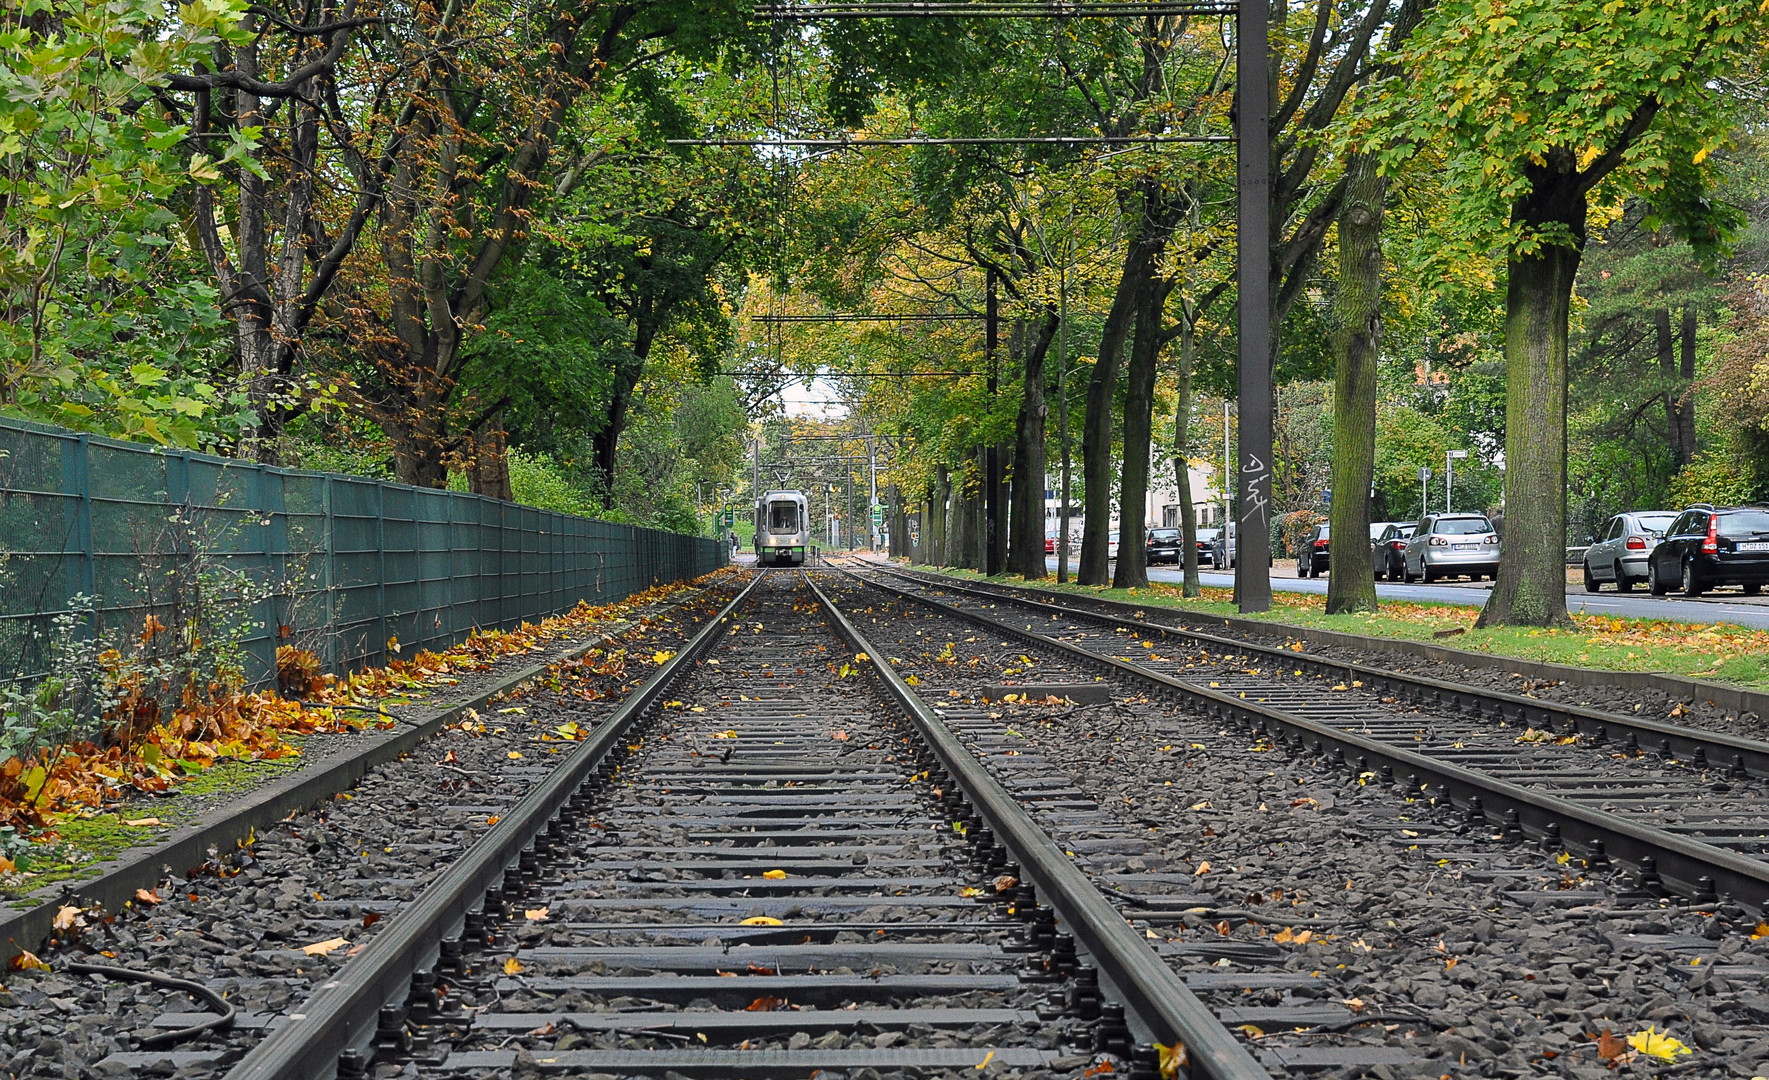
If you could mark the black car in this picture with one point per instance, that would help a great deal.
(1164, 546)
(1312, 553)
(1388, 552)
(1709, 546)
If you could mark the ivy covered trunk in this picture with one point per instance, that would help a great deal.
(1356, 337)
(1531, 587)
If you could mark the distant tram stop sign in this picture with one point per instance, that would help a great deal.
(877, 515)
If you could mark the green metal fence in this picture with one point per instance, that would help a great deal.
(104, 534)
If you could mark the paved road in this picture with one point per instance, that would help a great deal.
(1729, 606)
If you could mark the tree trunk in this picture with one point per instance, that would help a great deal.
(1132, 571)
(1356, 337)
(1096, 431)
(1531, 586)
(934, 529)
(1062, 428)
(1686, 402)
(1026, 552)
(490, 475)
(1182, 452)
(1667, 368)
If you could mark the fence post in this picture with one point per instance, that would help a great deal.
(75, 482)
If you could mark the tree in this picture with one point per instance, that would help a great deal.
(1545, 104)
(103, 323)
(1357, 337)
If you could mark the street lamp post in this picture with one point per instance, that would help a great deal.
(1449, 474)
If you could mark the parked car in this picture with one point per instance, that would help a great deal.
(1164, 545)
(1111, 546)
(1445, 545)
(1620, 554)
(1388, 550)
(1708, 546)
(1207, 546)
(1050, 545)
(1223, 553)
(1312, 553)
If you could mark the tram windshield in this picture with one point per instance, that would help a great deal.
(783, 517)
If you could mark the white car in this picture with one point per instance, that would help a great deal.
(1620, 554)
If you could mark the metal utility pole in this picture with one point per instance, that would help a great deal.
(1449, 476)
(991, 453)
(872, 492)
(1253, 282)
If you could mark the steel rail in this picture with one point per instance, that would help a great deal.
(1142, 979)
(343, 1012)
(1681, 863)
(1679, 741)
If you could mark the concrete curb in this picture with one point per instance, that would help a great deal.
(188, 846)
(1733, 699)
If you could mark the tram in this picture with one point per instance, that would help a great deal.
(783, 528)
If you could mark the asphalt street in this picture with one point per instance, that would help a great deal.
(1729, 606)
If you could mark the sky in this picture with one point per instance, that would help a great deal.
(817, 400)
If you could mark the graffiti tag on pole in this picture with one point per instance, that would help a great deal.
(1254, 478)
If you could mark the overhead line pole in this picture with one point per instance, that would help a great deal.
(1253, 284)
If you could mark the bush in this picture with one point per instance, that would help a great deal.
(537, 480)
(1710, 479)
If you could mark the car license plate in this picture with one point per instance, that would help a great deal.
(1465, 547)
(1754, 545)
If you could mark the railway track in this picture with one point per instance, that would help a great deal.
(772, 860)
(1685, 809)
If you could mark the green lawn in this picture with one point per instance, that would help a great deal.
(1720, 652)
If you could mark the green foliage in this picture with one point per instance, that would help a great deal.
(104, 323)
(1711, 478)
(1629, 95)
(536, 480)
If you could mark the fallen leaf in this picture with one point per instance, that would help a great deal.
(517, 709)
(324, 948)
(1653, 1044)
(515, 755)
(66, 917)
(142, 822)
(1608, 1046)
(765, 1004)
(757, 969)
(762, 920)
(661, 657)
(537, 914)
(1005, 882)
(147, 897)
(839, 736)
(27, 960)
(774, 875)
(512, 966)
(370, 919)
(493, 820)
(970, 891)
(990, 1056)
(1203, 868)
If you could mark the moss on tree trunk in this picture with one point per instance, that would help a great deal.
(1531, 586)
(1356, 337)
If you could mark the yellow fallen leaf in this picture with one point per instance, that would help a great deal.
(27, 960)
(776, 875)
(970, 891)
(147, 897)
(324, 948)
(661, 657)
(1761, 932)
(515, 755)
(762, 920)
(7, 866)
(512, 966)
(535, 914)
(1284, 936)
(517, 709)
(142, 822)
(987, 1058)
(912, 680)
(66, 916)
(1653, 1044)
(1203, 867)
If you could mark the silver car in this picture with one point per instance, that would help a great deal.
(1620, 554)
(1447, 545)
